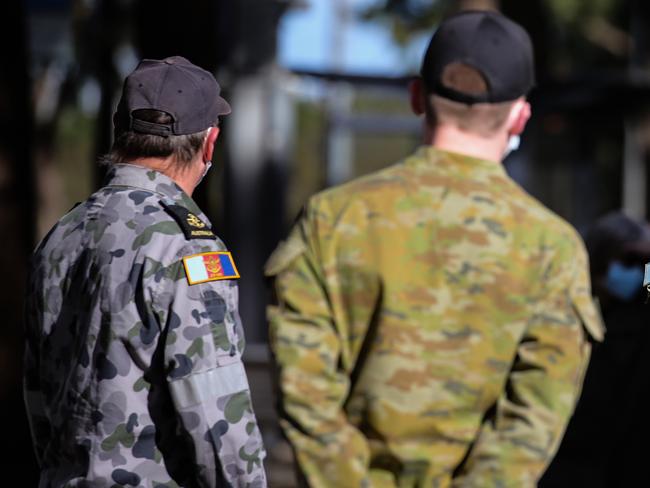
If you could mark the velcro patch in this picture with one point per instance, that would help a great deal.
(209, 266)
(192, 226)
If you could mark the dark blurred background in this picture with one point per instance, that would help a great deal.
(318, 90)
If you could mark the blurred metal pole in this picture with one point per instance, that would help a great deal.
(634, 173)
(258, 135)
(236, 40)
(339, 99)
(341, 19)
(340, 143)
(245, 140)
(635, 166)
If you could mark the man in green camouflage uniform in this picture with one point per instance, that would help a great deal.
(432, 320)
(133, 363)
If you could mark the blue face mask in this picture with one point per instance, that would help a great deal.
(624, 282)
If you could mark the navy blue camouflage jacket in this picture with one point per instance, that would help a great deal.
(133, 372)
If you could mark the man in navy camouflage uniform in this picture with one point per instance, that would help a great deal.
(133, 361)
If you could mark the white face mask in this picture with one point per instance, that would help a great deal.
(513, 145)
(208, 165)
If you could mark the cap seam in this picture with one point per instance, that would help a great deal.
(161, 85)
(198, 88)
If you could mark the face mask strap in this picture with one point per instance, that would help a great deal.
(514, 142)
(208, 164)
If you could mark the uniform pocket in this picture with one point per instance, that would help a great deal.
(589, 314)
(200, 387)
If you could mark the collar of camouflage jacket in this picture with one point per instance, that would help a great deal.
(141, 178)
(462, 163)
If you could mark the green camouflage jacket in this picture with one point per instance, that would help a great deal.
(134, 375)
(431, 328)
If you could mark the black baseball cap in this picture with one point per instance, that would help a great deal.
(188, 93)
(491, 43)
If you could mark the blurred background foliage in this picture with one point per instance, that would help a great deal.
(581, 35)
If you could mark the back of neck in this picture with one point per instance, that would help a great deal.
(452, 139)
(185, 179)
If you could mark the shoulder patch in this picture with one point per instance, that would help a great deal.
(209, 266)
(192, 226)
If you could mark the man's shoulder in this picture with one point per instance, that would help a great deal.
(373, 187)
(124, 216)
(552, 229)
(129, 219)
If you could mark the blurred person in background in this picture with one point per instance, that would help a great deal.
(618, 248)
(606, 442)
(432, 321)
(133, 362)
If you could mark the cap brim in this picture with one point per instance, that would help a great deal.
(223, 107)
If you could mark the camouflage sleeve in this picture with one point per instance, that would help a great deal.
(330, 451)
(520, 436)
(38, 423)
(203, 342)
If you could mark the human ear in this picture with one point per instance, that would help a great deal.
(520, 116)
(208, 145)
(417, 95)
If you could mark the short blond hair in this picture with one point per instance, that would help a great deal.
(484, 119)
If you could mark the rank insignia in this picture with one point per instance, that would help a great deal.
(209, 266)
(191, 225)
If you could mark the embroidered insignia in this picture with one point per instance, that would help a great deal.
(192, 226)
(209, 266)
(194, 221)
